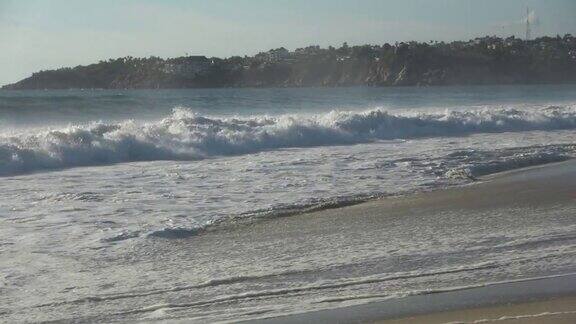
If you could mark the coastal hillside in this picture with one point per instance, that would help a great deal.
(487, 60)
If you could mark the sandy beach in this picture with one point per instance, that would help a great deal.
(531, 185)
(556, 310)
(500, 247)
(549, 300)
(534, 300)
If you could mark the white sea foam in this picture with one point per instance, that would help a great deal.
(472, 164)
(185, 135)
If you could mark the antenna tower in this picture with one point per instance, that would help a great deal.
(528, 31)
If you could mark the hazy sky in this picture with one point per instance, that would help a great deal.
(45, 34)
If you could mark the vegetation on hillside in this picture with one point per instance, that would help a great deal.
(487, 60)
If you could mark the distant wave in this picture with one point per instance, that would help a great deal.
(185, 135)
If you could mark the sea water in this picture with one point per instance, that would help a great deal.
(91, 175)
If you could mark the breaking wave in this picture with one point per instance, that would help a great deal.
(185, 135)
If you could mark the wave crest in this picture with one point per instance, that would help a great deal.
(185, 135)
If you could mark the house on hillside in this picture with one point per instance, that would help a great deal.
(187, 65)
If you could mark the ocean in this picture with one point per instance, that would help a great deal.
(110, 199)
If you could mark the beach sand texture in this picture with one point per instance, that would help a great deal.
(544, 300)
(557, 310)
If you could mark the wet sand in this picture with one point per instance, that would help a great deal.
(536, 300)
(545, 300)
(556, 310)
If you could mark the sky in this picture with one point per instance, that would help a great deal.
(45, 34)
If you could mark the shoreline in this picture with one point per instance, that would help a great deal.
(553, 310)
(488, 302)
(358, 257)
(484, 303)
(231, 224)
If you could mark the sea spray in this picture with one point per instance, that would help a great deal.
(185, 135)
